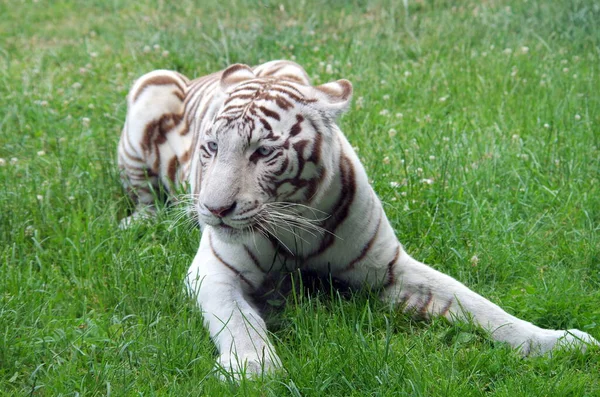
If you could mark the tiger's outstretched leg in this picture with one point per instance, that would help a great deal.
(221, 279)
(427, 292)
(150, 143)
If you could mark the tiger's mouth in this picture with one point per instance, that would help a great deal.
(223, 225)
(232, 233)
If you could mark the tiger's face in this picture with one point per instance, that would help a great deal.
(265, 153)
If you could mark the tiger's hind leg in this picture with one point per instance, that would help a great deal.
(147, 159)
(426, 292)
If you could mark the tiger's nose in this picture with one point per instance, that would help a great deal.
(220, 212)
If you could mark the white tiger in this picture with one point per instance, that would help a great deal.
(276, 185)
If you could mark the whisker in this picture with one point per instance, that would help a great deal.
(273, 234)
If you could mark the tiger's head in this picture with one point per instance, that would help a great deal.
(268, 150)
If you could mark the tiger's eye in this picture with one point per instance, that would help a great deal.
(212, 146)
(264, 150)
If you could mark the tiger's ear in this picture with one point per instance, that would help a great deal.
(336, 96)
(234, 75)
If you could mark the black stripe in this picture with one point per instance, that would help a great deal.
(269, 113)
(390, 269)
(423, 309)
(365, 249)
(227, 265)
(253, 258)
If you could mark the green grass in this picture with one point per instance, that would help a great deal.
(496, 102)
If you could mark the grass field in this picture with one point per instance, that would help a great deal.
(478, 122)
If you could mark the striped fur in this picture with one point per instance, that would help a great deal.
(276, 185)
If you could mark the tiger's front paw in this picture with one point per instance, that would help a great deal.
(572, 339)
(248, 366)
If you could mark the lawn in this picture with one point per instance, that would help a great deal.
(477, 121)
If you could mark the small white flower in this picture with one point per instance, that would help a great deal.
(85, 121)
(386, 160)
(165, 53)
(565, 70)
(41, 153)
(432, 157)
(403, 194)
(419, 171)
(93, 54)
(71, 198)
(14, 160)
(399, 115)
(29, 231)
(443, 99)
(445, 139)
(392, 132)
(146, 49)
(39, 197)
(427, 181)
(2, 162)
(91, 106)
(383, 82)
(474, 260)
(577, 117)
(384, 112)
(76, 86)
(386, 97)
(394, 184)
(407, 73)
(516, 137)
(316, 48)
(360, 101)
(156, 47)
(507, 51)
(329, 69)
(524, 49)
(546, 125)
